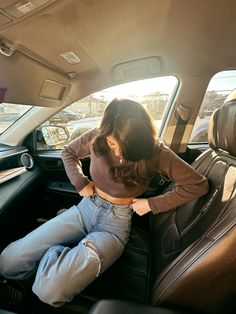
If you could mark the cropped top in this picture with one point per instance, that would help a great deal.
(189, 183)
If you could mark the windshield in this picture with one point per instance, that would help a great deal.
(9, 113)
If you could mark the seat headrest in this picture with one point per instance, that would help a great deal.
(222, 126)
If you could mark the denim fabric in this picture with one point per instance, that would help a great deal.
(69, 251)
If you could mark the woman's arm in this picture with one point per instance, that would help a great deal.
(71, 154)
(190, 184)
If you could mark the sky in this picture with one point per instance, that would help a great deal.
(224, 81)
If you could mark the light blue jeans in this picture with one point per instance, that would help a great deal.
(69, 251)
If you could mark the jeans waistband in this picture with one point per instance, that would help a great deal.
(101, 201)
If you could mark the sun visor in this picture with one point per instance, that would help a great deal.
(26, 81)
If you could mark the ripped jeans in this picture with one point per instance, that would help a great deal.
(69, 251)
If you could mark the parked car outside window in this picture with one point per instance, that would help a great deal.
(65, 116)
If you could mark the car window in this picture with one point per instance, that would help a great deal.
(220, 86)
(9, 113)
(154, 94)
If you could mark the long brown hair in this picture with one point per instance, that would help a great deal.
(133, 128)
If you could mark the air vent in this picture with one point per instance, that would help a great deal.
(27, 161)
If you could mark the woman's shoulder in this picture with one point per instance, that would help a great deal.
(92, 132)
(89, 135)
(83, 140)
(162, 150)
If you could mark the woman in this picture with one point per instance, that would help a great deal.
(125, 154)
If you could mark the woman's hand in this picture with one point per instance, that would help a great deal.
(88, 190)
(141, 206)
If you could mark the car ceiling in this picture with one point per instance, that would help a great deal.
(183, 37)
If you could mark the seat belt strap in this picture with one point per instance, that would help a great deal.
(182, 114)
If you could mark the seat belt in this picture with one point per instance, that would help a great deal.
(182, 114)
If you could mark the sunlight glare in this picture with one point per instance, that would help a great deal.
(163, 85)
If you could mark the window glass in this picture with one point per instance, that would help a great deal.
(9, 113)
(220, 86)
(154, 94)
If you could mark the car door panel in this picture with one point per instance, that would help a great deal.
(57, 191)
(17, 195)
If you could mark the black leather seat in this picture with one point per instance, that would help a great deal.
(194, 245)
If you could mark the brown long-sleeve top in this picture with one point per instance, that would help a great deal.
(189, 184)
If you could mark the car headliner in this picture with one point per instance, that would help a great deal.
(117, 42)
(192, 38)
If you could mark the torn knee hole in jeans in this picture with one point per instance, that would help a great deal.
(90, 245)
